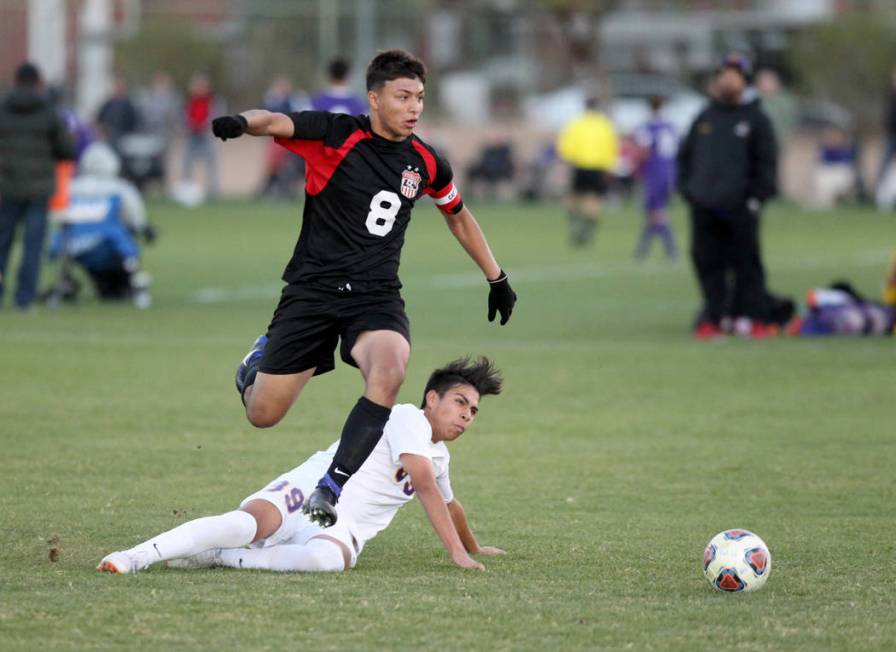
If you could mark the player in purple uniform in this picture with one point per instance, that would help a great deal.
(363, 176)
(339, 98)
(659, 143)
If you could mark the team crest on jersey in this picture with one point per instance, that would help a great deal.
(742, 129)
(410, 182)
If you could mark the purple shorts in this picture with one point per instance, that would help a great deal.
(657, 194)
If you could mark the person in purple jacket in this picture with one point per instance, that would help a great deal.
(338, 98)
(658, 141)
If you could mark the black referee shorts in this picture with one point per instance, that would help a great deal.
(592, 182)
(309, 322)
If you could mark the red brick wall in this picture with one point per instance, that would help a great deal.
(13, 38)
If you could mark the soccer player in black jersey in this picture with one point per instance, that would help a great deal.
(363, 176)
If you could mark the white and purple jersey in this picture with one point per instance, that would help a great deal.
(659, 138)
(372, 496)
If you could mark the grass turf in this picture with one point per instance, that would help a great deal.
(619, 447)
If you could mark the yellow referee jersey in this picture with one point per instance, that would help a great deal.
(589, 142)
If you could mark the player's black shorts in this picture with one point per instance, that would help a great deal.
(589, 181)
(309, 322)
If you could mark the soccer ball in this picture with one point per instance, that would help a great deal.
(737, 560)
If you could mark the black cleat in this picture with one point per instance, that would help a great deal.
(321, 507)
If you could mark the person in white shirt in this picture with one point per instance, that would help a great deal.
(410, 459)
(97, 231)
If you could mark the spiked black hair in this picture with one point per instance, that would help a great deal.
(394, 64)
(481, 374)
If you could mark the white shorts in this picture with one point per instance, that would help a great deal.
(288, 492)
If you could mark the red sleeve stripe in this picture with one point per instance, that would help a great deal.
(321, 160)
(448, 199)
(428, 159)
(445, 196)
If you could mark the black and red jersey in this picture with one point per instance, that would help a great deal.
(360, 189)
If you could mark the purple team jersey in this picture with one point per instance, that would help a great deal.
(334, 101)
(660, 140)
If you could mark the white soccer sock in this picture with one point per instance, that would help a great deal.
(318, 555)
(230, 530)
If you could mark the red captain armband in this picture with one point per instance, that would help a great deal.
(447, 199)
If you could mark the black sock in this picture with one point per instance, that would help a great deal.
(360, 435)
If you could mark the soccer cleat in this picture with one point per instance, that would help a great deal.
(761, 331)
(121, 563)
(707, 330)
(321, 507)
(754, 330)
(205, 559)
(253, 356)
(794, 327)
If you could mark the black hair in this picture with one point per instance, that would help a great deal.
(338, 69)
(27, 74)
(481, 374)
(394, 64)
(656, 102)
(592, 103)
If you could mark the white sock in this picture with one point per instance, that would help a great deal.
(318, 555)
(230, 530)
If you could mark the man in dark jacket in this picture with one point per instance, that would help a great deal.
(727, 169)
(32, 139)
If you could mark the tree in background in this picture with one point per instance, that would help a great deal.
(170, 45)
(848, 62)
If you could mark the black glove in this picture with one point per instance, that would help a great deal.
(150, 234)
(229, 126)
(501, 298)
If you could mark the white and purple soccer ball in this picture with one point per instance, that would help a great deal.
(737, 560)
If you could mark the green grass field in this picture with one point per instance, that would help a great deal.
(619, 447)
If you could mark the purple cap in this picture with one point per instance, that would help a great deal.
(739, 62)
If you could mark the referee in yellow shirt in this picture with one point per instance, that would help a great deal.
(589, 144)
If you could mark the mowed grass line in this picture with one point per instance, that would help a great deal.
(618, 448)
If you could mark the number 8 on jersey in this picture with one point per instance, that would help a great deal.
(383, 209)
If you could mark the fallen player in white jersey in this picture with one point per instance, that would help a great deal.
(410, 458)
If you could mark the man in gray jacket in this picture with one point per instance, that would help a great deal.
(32, 139)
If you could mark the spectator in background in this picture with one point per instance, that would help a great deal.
(32, 139)
(338, 98)
(160, 107)
(625, 173)
(537, 173)
(82, 135)
(659, 145)
(283, 97)
(727, 167)
(834, 178)
(778, 103)
(491, 175)
(890, 146)
(589, 145)
(117, 116)
(283, 170)
(80, 129)
(199, 144)
(97, 231)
